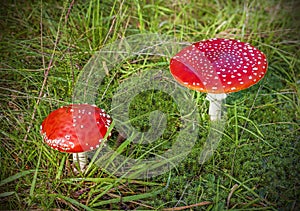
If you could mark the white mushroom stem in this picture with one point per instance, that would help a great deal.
(80, 159)
(215, 105)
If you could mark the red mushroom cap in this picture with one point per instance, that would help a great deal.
(75, 128)
(219, 66)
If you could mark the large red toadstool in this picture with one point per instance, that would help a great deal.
(218, 66)
(76, 128)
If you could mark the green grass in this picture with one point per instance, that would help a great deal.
(44, 48)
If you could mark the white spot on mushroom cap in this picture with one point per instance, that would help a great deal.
(59, 143)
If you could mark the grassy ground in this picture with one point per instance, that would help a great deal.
(44, 47)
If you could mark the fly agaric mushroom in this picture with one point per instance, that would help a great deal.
(218, 66)
(76, 128)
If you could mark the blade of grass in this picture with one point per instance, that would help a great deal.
(5, 194)
(61, 167)
(250, 190)
(99, 149)
(15, 177)
(72, 201)
(31, 192)
(10, 193)
(135, 197)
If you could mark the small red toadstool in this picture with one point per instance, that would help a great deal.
(218, 66)
(75, 128)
